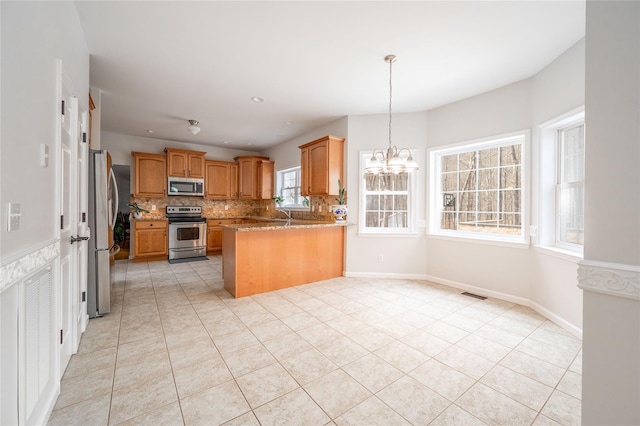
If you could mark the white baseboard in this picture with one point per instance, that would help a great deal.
(385, 275)
(556, 319)
(42, 417)
(479, 290)
(571, 328)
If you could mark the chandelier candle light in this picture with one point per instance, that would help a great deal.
(390, 161)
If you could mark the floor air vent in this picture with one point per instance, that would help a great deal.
(475, 296)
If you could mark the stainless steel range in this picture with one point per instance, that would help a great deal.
(187, 233)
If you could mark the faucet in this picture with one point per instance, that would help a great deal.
(286, 212)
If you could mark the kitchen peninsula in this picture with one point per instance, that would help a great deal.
(265, 256)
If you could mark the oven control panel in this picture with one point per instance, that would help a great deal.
(184, 210)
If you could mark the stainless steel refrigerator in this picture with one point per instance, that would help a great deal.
(103, 208)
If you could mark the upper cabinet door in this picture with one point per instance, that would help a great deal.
(217, 179)
(255, 177)
(183, 163)
(321, 165)
(305, 188)
(176, 163)
(247, 181)
(196, 163)
(150, 175)
(265, 179)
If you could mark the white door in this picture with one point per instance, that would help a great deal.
(68, 190)
(81, 319)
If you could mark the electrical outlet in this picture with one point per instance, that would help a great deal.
(533, 231)
(226, 207)
(380, 258)
(320, 209)
(153, 207)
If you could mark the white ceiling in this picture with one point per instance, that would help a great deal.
(162, 63)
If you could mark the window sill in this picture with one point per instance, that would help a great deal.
(365, 234)
(480, 241)
(294, 208)
(559, 253)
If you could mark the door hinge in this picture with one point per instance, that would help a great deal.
(84, 217)
(62, 106)
(84, 137)
(61, 338)
(62, 221)
(84, 296)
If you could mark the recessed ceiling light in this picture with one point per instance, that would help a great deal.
(289, 123)
(257, 99)
(249, 144)
(225, 142)
(150, 131)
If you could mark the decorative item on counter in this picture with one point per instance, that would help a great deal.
(279, 199)
(340, 210)
(305, 201)
(137, 210)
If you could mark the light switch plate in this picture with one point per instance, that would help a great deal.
(44, 155)
(13, 217)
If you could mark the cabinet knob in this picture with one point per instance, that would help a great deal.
(151, 224)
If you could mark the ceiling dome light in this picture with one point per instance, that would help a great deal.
(257, 99)
(193, 127)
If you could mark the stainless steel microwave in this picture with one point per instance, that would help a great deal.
(193, 187)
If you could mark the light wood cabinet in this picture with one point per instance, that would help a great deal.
(255, 178)
(321, 165)
(150, 175)
(233, 180)
(265, 179)
(214, 234)
(150, 240)
(184, 163)
(259, 261)
(220, 180)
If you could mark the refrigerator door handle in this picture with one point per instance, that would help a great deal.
(108, 248)
(114, 213)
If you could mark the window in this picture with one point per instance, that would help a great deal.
(560, 191)
(477, 189)
(288, 186)
(387, 199)
(570, 186)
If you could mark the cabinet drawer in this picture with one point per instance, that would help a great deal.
(150, 224)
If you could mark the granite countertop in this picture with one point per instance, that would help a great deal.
(266, 224)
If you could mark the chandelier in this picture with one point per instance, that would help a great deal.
(389, 160)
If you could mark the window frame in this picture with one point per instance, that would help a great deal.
(279, 187)
(411, 229)
(547, 160)
(435, 192)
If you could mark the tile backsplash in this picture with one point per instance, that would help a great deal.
(321, 207)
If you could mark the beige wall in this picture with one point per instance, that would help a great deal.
(610, 272)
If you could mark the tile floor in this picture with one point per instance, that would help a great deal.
(178, 349)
